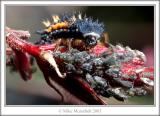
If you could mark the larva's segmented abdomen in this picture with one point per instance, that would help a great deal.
(48, 38)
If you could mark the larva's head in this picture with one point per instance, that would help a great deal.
(91, 38)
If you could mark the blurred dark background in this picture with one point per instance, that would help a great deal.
(129, 25)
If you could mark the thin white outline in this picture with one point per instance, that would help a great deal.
(104, 110)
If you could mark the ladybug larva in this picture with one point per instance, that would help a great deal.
(73, 30)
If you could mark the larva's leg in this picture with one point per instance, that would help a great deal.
(58, 42)
(70, 44)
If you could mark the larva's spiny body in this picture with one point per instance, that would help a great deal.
(72, 27)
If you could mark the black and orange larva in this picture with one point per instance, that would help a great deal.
(71, 27)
